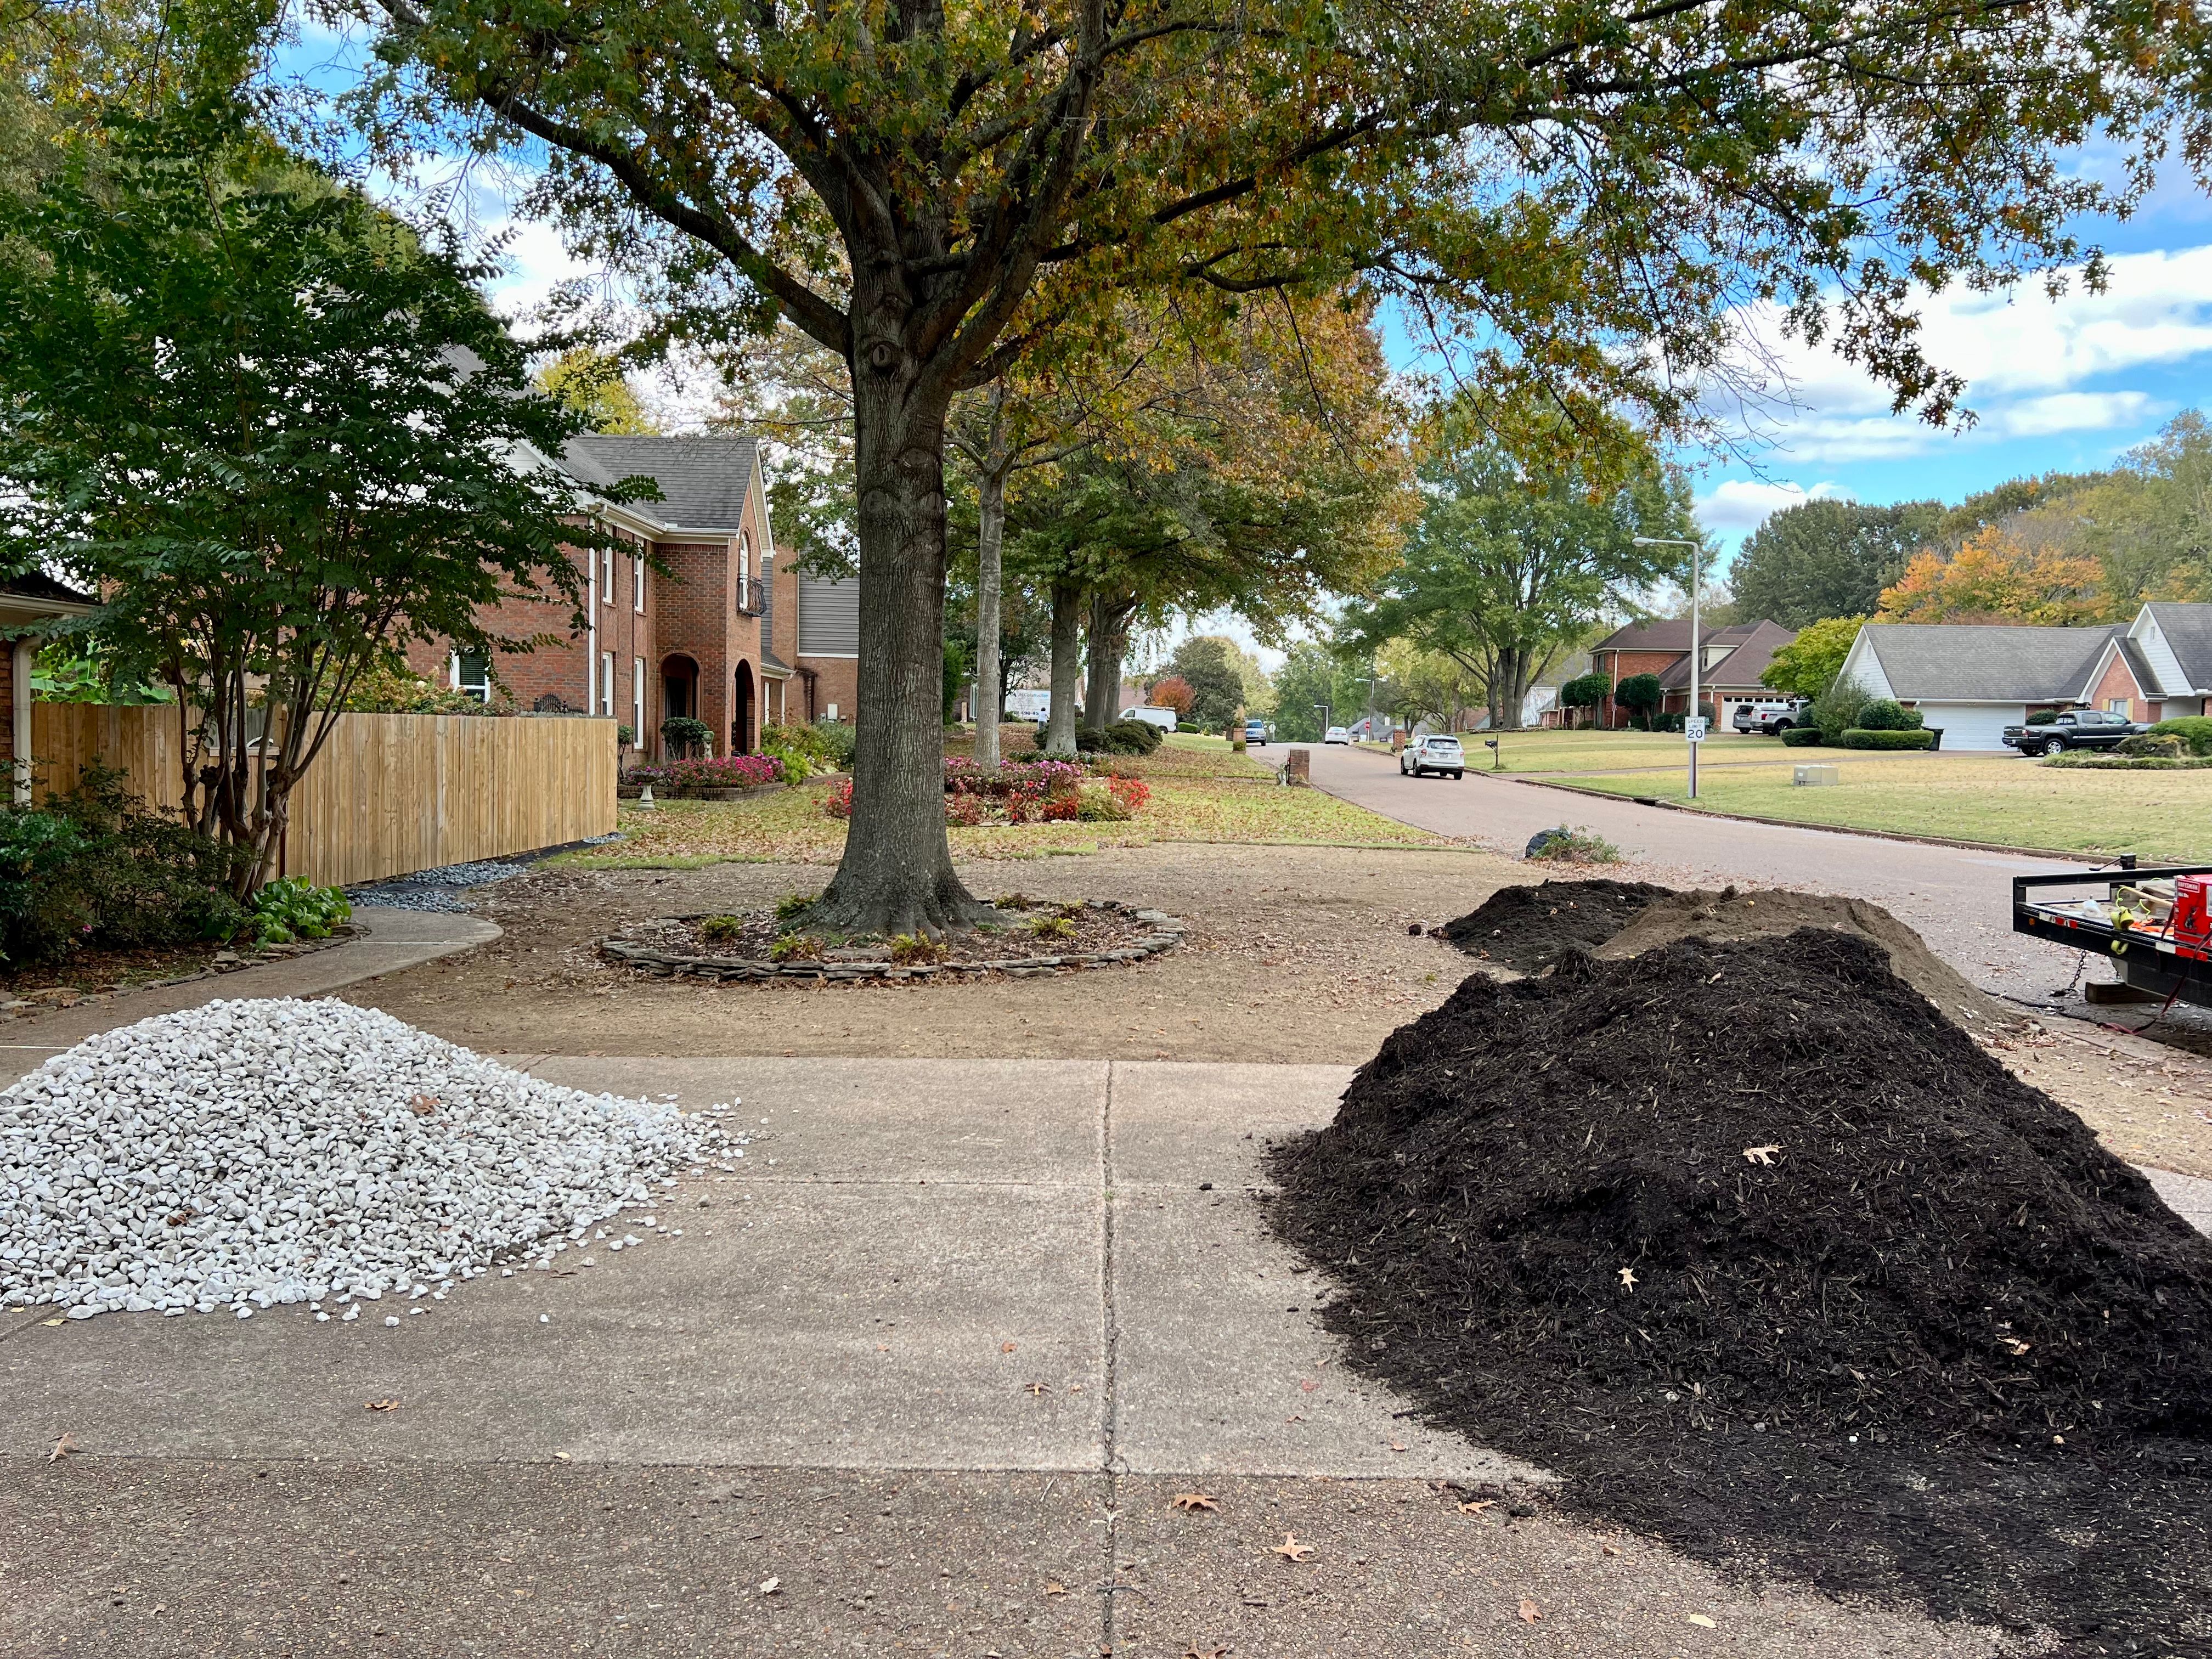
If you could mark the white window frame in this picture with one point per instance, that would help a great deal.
(637, 699)
(2124, 707)
(607, 575)
(637, 583)
(481, 691)
(606, 682)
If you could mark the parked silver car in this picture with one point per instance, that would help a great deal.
(1437, 753)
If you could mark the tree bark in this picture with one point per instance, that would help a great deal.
(896, 873)
(1067, 667)
(1109, 644)
(990, 539)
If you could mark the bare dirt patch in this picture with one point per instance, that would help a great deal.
(1293, 954)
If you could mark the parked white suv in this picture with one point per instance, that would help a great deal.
(1437, 753)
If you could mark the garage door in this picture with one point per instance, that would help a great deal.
(1972, 724)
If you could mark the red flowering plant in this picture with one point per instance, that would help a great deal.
(1132, 792)
(838, 804)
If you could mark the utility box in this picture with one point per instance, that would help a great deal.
(1817, 776)
(1297, 768)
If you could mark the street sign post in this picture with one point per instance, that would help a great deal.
(1693, 728)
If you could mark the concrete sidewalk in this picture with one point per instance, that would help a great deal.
(390, 940)
(934, 1359)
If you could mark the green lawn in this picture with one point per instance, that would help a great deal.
(1619, 751)
(2005, 801)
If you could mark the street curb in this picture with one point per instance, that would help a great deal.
(2091, 858)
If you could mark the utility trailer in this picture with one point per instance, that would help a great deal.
(2155, 923)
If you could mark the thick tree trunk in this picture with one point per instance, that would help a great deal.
(896, 874)
(1109, 644)
(990, 538)
(1067, 667)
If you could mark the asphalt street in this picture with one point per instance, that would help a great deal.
(1959, 900)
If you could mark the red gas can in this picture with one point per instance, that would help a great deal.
(2192, 909)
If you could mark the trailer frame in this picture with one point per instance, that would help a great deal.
(2150, 961)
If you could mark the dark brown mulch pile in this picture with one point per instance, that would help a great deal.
(1529, 927)
(1830, 1294)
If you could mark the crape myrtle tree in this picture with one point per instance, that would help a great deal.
(1587, 194)
(277, 434)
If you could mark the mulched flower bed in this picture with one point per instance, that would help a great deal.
(1038, 936)
(1774, 1263)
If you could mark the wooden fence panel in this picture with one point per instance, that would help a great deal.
(389, 793)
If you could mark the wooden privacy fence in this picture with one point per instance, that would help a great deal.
(389, 793)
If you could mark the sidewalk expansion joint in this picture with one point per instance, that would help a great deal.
(1111, 1405)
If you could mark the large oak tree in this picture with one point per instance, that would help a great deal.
(1589, 192)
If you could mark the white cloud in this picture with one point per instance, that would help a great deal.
(1744, 504)
(2075, 411)
(2027, 358)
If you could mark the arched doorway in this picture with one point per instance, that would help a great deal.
(741, 710)
(680, 689)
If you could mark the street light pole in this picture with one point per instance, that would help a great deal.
(1696, 658)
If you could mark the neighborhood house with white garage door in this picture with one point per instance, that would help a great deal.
(1973, 682)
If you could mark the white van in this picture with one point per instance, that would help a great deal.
(1163, 718)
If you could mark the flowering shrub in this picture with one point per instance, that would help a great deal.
(965, 811)
(1061, 809)
(1050, 777)
(839, 802)
(1131, 792)
(1102, 806)
(731, 772)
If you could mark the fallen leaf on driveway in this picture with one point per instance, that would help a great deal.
(1397, 1445)
(1056, 1589)
(1035, 1388)
(424, 1104)
(1478, 1506)
(1195, 1500)
(62, 1448)
(1008, 1347)
(1699, 1620)
(1204, 1653)
(1530, 1612)
(1310, 1385)
(1290, 1550)
(1760, 1154)
(769, 1586)
(382, 1406)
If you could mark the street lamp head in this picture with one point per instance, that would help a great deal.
(1664, 541)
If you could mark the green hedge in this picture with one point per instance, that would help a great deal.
(1801, 737)
(1858, 737)
(1884, 715)
(2195, 729)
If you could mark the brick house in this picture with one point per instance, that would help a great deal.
(1731, 661)
(25, 602)
(1972, 680)
(694, 638)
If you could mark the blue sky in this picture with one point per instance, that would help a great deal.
(2069, 383)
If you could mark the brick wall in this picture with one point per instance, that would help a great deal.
(2119, 681)
(1626, 665)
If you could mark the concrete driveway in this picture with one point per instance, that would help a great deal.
(1957, 899)
(927, 1376)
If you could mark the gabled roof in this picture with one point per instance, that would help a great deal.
(703, 481)
(2139, 665)
(1667, 634)
(2188, 630)
(1755, 644)
(1950, 663)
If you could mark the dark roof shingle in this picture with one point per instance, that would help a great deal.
(1944, 662)
(1755, 644)
(703, 481)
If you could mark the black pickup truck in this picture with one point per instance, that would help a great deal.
(2077, 728)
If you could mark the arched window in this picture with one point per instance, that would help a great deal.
(744, 564)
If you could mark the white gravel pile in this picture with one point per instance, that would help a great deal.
(245, 1155)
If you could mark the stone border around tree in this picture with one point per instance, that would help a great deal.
(1167, 934)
